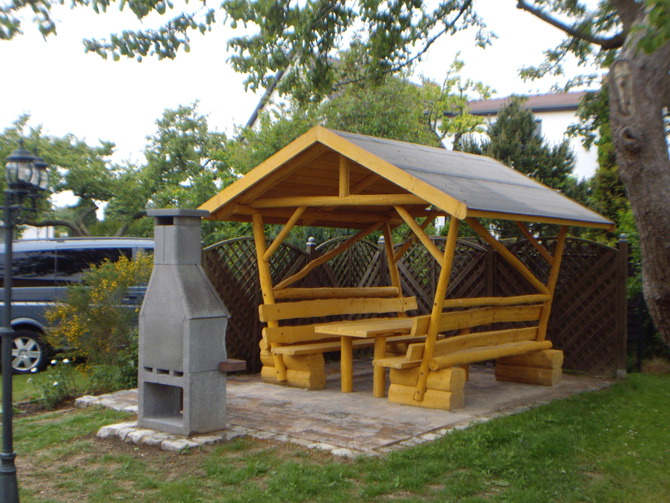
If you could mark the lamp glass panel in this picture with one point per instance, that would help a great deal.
(36, 175)
(44, 179)
(25, 172)
(11, 172)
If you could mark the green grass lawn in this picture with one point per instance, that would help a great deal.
(23, 388)
(607, 446)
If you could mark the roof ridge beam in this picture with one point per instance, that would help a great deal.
(335, 201)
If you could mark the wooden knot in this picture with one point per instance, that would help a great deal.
(631, 139)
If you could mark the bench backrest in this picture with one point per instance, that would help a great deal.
(334, 307)
(468, 341)
(321, 308)
(472, 318)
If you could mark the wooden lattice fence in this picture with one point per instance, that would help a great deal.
(588, 320)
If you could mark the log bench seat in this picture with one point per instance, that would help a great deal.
(300, 350)
(519, 355)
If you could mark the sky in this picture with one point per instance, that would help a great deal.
(68, 91)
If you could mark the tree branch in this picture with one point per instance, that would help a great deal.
(418, 55)
(606, 43)
(82, 219)
(627, 10)
(265, 99)
(121, 231)
(431, 40)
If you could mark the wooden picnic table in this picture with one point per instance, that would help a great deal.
(379, 329)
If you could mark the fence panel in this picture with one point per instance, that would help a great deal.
(585, 323)
(584, 319)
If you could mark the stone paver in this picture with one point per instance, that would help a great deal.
(345, 424)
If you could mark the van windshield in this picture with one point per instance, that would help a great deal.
(60, 266)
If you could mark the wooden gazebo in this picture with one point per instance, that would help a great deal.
(335, 179)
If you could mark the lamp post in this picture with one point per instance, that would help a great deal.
(26, 178)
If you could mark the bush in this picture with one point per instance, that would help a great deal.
(122, 374)
(93, 320)
(57, 385)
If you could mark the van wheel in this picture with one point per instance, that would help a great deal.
(28, 352)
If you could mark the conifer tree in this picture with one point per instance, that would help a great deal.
(515, 140)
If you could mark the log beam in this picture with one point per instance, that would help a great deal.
(326, 257)
(420, 233)
(536, 244)
(283, 233)
(551, 283)
(266, 283)
(507, 255)
(345, 173)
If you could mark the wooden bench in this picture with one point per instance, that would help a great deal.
(299, 348)
(519, 353)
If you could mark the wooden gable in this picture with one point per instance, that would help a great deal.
(349, 180)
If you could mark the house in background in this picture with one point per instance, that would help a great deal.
(554, 113)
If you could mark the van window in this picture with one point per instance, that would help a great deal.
(48, 267)
(34, 268)
(71, 264)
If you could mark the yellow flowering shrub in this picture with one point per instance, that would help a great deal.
(94, 319)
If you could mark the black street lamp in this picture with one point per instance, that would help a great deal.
(26, 178)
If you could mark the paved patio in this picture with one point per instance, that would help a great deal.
(345, 424)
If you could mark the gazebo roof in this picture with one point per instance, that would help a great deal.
(351, 180)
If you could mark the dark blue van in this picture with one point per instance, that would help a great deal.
(41, 271)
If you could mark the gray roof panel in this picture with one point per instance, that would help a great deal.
(481, 183)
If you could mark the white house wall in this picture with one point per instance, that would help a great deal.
(554, 126)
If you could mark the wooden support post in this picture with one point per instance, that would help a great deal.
(284, 232)
(551, 283)
(622, 307)
(346, 365)
(379, 373)
(345, 171)
(438, 302)
(392, 262)
(266, 283)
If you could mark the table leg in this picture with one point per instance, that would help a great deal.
(379, 373)
(346, 365)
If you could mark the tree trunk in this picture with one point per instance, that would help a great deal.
(639, 86)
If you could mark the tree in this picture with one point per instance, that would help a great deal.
(185, 167)
(638, 58)
(75, 166)
(389, 110)
(515, 140)
(447, 107)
